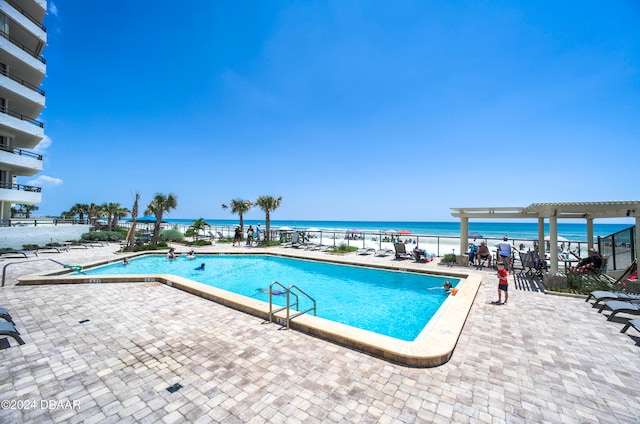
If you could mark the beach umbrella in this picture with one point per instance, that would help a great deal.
(475, 235)
(355, 231)
(285, 228)
(390, 231)
(404, 232)
(313, 230)
(147, 219)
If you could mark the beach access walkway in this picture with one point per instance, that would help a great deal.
(106, 353)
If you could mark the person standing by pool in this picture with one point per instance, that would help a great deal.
(250, 236)
(504, 252)
(503, 285)
(237, 236)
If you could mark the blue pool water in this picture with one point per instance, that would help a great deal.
(396, 304)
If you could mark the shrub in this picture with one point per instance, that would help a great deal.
(145, 247)
(29, 246)
(171, 235)
(449, 258)
(102, 236)
(585, 283)
(342, 249)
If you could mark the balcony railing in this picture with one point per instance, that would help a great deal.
(23, 47)
(27, 15)
(21, 152)
(20, 187)
(21, 117)
(21, 81)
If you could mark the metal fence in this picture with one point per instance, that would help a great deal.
(619, 247)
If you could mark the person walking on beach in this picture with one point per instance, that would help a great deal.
(503, 285)
(504, 252)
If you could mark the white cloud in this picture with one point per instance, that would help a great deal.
(45, 180)
(53, 9)
(44, 144)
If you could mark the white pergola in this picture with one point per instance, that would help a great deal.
(552, 211)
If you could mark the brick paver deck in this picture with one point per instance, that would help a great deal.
(541, 358)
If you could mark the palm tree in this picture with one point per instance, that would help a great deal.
(27, 209)
(131, 234)
(95, 212)
(79, 209)
(240, 207)
(198, 225)
(268, 204)
(158, 206)
(114, 212)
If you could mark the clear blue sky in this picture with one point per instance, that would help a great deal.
(370, 110)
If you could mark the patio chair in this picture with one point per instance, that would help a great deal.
(365, 251)
(9, 330)
(618, 306)
(401, 251)
(603, 296)
(635, 323)
(4, 314)
(383, 252)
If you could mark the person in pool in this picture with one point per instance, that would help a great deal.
(446, 286)
(200, 268)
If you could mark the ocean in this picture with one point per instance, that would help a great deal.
(515, 230)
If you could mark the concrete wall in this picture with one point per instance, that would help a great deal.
(15, 237)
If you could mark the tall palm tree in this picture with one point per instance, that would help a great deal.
(268, 204)
(158, 206)
(95, 212)
(131, 234)
(239, 207)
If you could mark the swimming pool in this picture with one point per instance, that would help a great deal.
(395, 304)
(432, 347)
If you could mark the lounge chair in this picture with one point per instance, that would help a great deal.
(422, 256)
(383, 252)
(326, 248)
(603, 296)
(635, 323)
(7, 329)
(401, 251)
(618, 306)
(4, 314)
(23, 253)
(365, 251)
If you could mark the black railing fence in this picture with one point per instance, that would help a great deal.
(619, 247)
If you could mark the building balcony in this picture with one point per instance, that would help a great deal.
(22, 53)
(24, 98)
(26, 132)
(25, 18)
(20, 193)
(20, 162)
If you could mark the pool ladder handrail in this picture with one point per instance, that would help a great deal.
(289, 291)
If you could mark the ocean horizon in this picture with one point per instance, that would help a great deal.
(515, 230)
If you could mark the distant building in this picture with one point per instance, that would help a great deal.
(22, 69)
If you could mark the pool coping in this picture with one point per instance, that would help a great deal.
(429, 350)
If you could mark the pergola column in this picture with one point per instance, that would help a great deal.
(553, 244)
(464, 234)
(589, 233)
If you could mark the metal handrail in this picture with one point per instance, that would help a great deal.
(20, 187)
(20, 152)
(271, 311)
(290, 317)
(21, 81)
(21, 117)
(4, 269)
(23, 47)
(27, 15)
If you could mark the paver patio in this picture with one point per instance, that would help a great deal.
(541, 358)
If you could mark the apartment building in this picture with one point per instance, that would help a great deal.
(22, 69)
